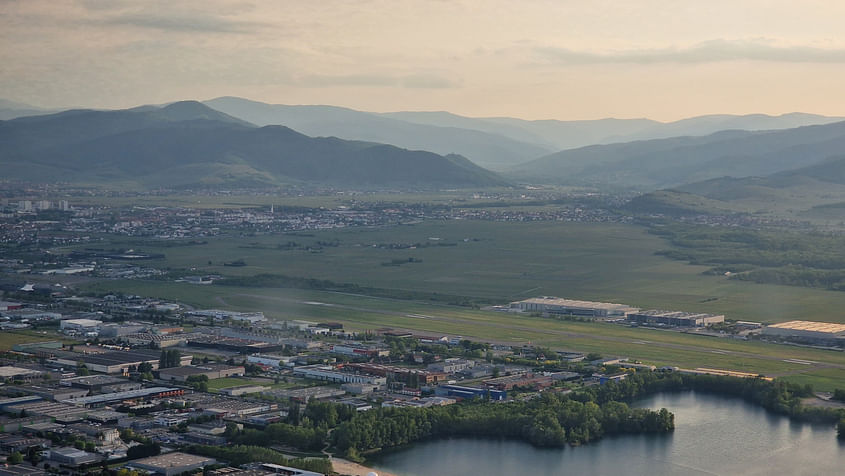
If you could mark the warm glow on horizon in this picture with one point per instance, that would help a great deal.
(663, 60)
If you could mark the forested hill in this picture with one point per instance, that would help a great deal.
(188, 144)
(673, 162)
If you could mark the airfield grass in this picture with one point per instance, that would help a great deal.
(658, 347)
(502, 262)
(823, 380)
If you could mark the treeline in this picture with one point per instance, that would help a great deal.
(267, 280)
(241, 454)
(304, 437)
(777, 396)
(550, 421)
(763, 256)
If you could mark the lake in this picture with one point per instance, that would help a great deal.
(713, 436)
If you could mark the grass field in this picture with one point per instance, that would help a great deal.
(653, 346)
(9, 338)
(502, 262)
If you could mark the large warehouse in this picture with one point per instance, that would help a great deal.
(675, 318)
(808, 330)
(554, 305)
(113, 362)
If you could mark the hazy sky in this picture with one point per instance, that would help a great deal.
(536, 59)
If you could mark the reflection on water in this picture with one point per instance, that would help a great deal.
(713, 436)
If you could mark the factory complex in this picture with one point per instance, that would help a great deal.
(611, 311)
(807, 330)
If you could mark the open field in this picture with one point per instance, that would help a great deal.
(10, 338)
(501, 262)
(659, 347)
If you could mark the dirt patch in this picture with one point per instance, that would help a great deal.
(348, 468)
(819, 402)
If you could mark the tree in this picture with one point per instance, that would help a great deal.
(15, 458)
(33, 455)
(169, 358)
(82, 369)
(143, 451)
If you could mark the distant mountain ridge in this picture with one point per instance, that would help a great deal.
(663, 163)
(189, 144)
(485, 149)
(814, 191)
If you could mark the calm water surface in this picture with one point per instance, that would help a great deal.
(713, 436)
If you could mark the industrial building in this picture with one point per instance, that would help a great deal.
(80, 325)
(100, 383)
(269, 360)
(220, 315)
(171, 463)
(140, 394)
(19, 373)
(521, 380)
(451, 366)
(70, 456)
(412, 377)
(807, 330)
(460, 391)
(675, 318)
(10, 306)
(303, 395)
(554, 305)
(120, 330)
(115, 361)
(60, 412)
(31, 315)
(364, 351)
(212, 371)
(328, 373)
(242, 390)
(47, 391)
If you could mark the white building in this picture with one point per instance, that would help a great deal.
(269, 360)
(80, 325)
(328, 373)
(555, 305)
(807, 330)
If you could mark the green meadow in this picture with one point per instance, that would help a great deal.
(501, 262)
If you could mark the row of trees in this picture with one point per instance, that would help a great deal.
(242, 454)
(777, 396)
(170, 358)
(763, 256)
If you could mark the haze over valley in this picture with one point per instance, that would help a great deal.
(420, 238)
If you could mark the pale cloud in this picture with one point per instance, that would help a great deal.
(704, 52)
(196, 22)
(412, 81)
